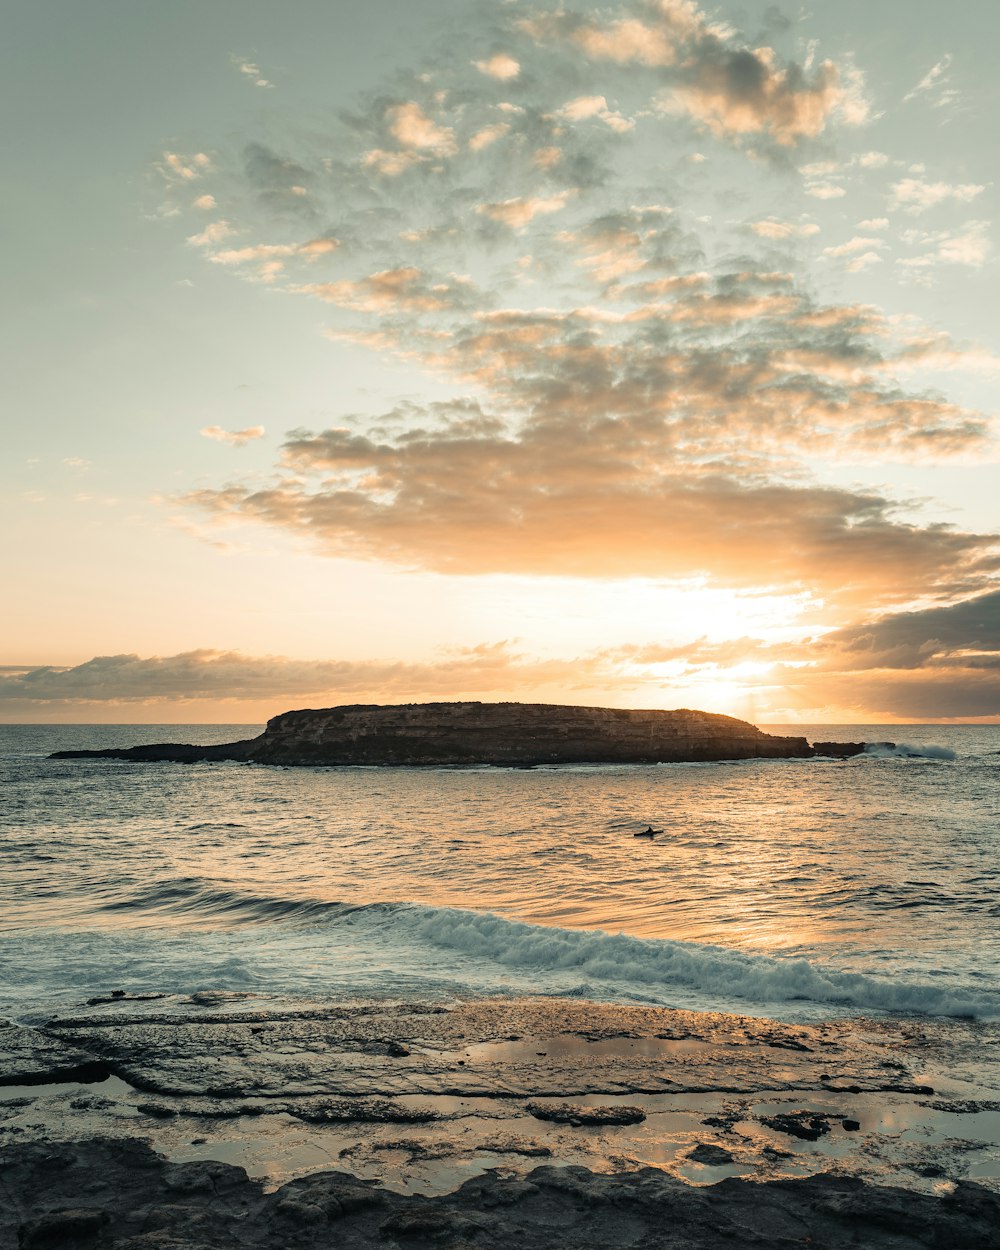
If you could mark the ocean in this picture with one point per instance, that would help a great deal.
(795, 889)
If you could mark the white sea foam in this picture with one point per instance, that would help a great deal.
(410, 949)
(905, 750)
(633, 965)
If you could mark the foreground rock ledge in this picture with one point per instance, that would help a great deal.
(119, 1193)
(505, 734)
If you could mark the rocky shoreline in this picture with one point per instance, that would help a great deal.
(119, 1193)
(134, 1123)
(519, 735)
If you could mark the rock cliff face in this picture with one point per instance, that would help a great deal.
(511, 734)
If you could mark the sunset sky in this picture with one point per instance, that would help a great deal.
(640, 354)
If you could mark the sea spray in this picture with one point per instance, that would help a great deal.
(632, 965)
(908, 751)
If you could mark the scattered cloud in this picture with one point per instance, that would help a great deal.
(858, 244)
(407, 289)
(412, 128)
(825, 190)
(712, 75)
(858, 253)
(500, 66)
(213, 233)
(496, 669)
(914, 195)
(596, 106)
(629, 399)
(586, 490)
(235, 438)
(937, 663)
(772, 228)
(520, 211)
(936, 85)
(864, 261)
(970, 245)
(176, 168)
(251, 71)
(489, 134)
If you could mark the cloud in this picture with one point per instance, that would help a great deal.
(520, 211)
(495, 669)
(864, 261)
(489, 134)
(176, 168)
(772, 228)
(825, 191)
(461, 495)
(235, 438)
(279, 185)
(637, 388)
(500, 66)
(736, 91)
(914, 195)
(588, 106)
(955, 635)
(627, 41)
(711, 74)
(744, 92)
(875, 669)
(412, 128)
(970, 245)
(213, 233)
(392, 164)
(858, 253)
(937, 662)
(936, 85)
(639, 240)
(269, 258)
(406, 289)
(249, 69)
(857, 244)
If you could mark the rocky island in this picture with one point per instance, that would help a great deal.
(503, 734)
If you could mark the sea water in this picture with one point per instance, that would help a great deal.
(787, 888)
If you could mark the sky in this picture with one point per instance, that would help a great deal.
(638, 354)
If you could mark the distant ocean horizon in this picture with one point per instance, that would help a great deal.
(784, 727)
(792, 889)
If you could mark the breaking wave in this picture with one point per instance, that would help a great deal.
(660, 966)
(482, 952)
(905, 750)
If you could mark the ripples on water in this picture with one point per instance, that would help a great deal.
(881, 866)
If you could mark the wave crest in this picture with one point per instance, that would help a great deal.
(907, 751)
(488, 953)
(661, 965)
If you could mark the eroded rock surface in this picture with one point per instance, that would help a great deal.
(120, 1194)
(501, 1048)
(290, 1088)
(28, 1057)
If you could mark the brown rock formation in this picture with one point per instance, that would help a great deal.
(510, 734)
